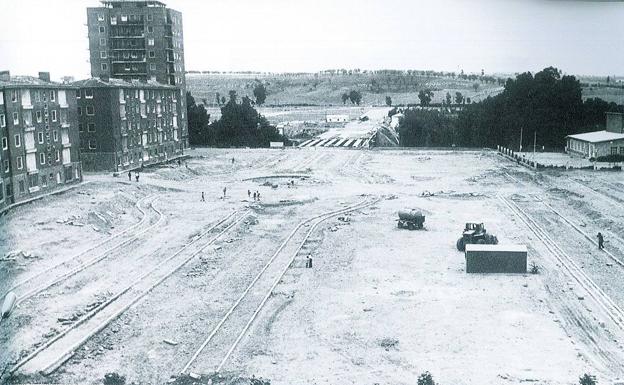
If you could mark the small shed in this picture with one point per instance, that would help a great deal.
(595, 144)
(496, 258)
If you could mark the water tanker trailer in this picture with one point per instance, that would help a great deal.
(411, 219)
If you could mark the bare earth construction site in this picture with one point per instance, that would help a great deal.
(146, 280)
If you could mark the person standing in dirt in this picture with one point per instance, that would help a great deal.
(248, 193)
(130, 176)
(255, 196)
(258, 192)
(600, 241)
(224, 191)
(308, 262)
(232, 160)
(203, 198)
(136, 177)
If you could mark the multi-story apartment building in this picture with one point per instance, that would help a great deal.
(39, 134)
(138, 40)
(124, 125)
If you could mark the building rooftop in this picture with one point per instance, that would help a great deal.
(597, 136)
(148, 3)
(31, 81)
(118, 83)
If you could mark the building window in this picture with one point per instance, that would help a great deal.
(52, 96)
(79, 111)
(92, 145)
(20, 163)
(102, 54)
(101, 17)
(55, 135)
(102, 41)
(152, 54)
(150, 42)
(14, 96)
(41, 158)
(54, 115)
(104, 67)
(150, 17)
(614, 150)
(57, 156)
(150, 29)
(15, 118)
(124, 18)
(91, 127)
(621, 150)
(17, 140)
(5, 143)
(21, 186)
(153, 66)
(80, 128)
(113, 20)
(40, 137)
(38, 115)
(102, 29)
(88, 94)
(2, 120)
(6, 166)
(37, 96)
(90, 111)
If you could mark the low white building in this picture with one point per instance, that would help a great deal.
(599, 143)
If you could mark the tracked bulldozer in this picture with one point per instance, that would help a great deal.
(475, 233)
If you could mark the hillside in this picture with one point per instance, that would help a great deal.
(326, 89)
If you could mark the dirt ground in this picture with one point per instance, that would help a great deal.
(380, 305)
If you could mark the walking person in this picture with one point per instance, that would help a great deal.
(258, 192)
(248, 193)
(600, 241)
(203, 198)
(136, 177)
(255, 195)
(130, 176)
(308, 262)
(224, 191)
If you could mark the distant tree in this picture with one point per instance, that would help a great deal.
(388, 101)
(608, 79)
(468, 101)
(587, 379)
(218, 99)
(425, 97)
(459, 98)
(232, 94)
(475, 86)
(204, 101)
(345, 97)
(355, 97)
(449, 99)
(260, 93)
(482, 72)
(222, 99)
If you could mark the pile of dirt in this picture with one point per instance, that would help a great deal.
(216, 379)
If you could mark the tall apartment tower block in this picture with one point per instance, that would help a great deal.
(139, 40)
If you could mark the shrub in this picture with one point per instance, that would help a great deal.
(114, 379)
(611, 158)
(587, 379)
(426, 379)
(534, 268)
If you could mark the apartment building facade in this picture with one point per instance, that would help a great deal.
(39, 137)
(125, 125)
(138, 40)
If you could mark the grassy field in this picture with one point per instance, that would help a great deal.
(326, 90)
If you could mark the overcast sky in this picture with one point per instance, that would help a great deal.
(310, 35)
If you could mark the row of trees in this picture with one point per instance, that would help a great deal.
(546, 105)
(354, 96)
(240, 125)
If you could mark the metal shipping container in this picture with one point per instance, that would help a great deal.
(496, 258)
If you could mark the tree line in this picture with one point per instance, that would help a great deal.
(547, 106)
(240, 125)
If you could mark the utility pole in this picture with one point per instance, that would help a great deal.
(520, 139)
(534, 141)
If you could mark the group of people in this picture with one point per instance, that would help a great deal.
(256, 195)
(136, 176)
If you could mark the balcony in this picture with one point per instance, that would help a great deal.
(139, 36)
(137, 60)
(129, 73)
